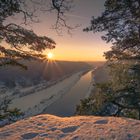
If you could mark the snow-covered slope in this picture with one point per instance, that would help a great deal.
(72, 128)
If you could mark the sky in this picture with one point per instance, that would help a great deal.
(81, 46)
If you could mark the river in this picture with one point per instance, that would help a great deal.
(66, 105)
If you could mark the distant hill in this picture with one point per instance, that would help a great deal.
(96, 63)
(38, 71)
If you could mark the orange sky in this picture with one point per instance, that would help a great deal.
(81, 46)
(80, 50)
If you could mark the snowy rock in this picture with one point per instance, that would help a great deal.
(72, 128)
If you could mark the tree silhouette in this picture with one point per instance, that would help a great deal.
(120, 96)
(121, 22)
(22, 43)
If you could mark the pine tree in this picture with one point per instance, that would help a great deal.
(121, 95)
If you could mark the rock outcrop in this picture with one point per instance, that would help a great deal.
(72, 128)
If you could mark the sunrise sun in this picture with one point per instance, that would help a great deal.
(50, 55)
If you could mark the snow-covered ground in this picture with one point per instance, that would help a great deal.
(48, 127)
(37, 100)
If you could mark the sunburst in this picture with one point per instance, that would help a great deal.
(50, 55)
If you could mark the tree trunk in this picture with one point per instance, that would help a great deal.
(139, 17)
